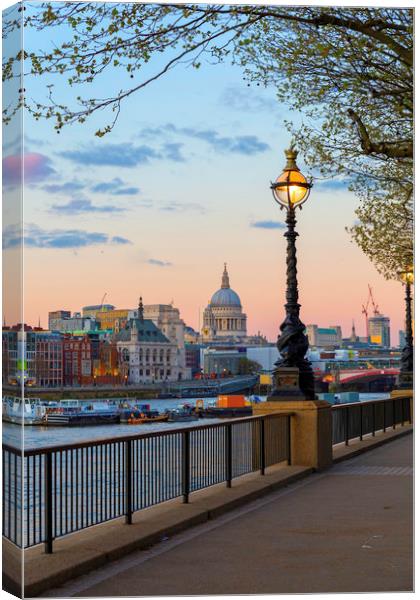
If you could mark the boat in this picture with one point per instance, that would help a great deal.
(183, 413)
(138, 417)
(30, 412)
(78, 413)
(228, 407)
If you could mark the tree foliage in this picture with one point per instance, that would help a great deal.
(347, 71)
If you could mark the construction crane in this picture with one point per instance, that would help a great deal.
(103, 298)
(374, 305)
(365, 312)
(365, 307)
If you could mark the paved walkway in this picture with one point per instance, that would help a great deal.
(346, 530)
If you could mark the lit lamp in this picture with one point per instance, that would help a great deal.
(293, 375)
(405, 380)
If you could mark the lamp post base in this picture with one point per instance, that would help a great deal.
(285, 385)
(405, 380)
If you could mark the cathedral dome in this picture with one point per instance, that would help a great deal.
(225, 296)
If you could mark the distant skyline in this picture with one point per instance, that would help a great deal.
(180, 186)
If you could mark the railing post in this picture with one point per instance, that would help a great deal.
(262, 445)
(384, 409)
(393, 413)
(228, 455)
(48, 503)
(128, 482)
(402, 412)
(373, 420)
(409, 410)
(186, 466)
(289, 440)
(361, 422)
(346, 425)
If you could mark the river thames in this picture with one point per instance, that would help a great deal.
(40, 437)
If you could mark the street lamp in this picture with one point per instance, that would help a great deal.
(292, 189)
(406, 371)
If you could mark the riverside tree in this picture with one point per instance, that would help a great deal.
(347, 71)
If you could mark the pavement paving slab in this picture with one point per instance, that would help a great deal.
(347, 529)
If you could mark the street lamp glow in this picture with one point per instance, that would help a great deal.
(407, 276)
(291, 188)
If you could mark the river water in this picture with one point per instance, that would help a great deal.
(39, 437)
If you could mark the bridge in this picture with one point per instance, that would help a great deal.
(355, 375)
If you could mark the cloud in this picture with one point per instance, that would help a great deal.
(183, 207)
(159, 263)
(115, 187)
(36, 237)
(115, 155)
(267, 225)
(77, 206)
(248, 145)
(248, 100)
(68, 188)
(36, 167)
(173, 152)
(333, 185)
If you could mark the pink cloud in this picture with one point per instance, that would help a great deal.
(36, 167)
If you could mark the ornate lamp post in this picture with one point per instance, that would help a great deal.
(290, 190)
(406, 371)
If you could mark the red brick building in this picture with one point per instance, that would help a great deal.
(77, 361)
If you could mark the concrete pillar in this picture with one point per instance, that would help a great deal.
(311, 430)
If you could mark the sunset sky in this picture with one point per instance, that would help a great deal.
(180, 186)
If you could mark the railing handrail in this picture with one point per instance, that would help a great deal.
(366, 403)
(146, 435)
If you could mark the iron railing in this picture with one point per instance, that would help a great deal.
(51, 492)
(350, 421)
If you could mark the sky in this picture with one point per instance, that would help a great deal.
(180, 186)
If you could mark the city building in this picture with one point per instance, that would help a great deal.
(57, 315)
(115, 319)
(32, 354)
(190, 335)
(401, 338)
(324, 336)
(106, 367)
(77, 322)
(145, 353)
(77, 361)
(223, 318)
(167, 318)
(193, 358)
(379, 331)
(222, 361)
(92, 311)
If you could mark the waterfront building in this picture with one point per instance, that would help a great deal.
(145, 354)
(167, 318)
(115, 319)
(34, 354)
(401, 338)
(192, 358)
(106, 367)
(223, 318)
(77, 322)
(222, 361)
(379, 331)
(55, 315)
(190, 335)
(77, 360)
(324, 336)
(93, 310)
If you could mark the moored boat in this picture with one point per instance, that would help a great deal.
(183, 413)
(77, 413)
(29, 412)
